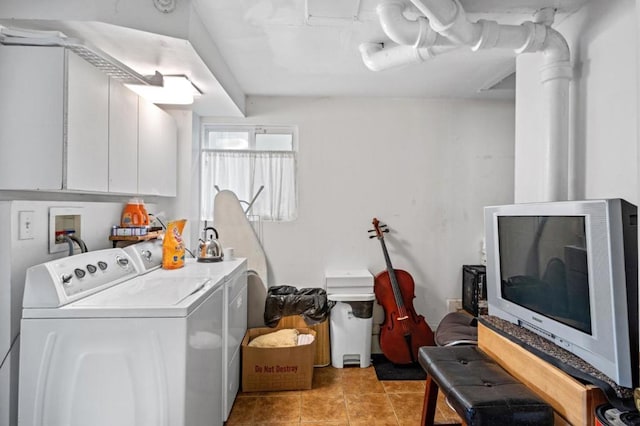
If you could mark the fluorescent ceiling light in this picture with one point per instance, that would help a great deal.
(174, 90)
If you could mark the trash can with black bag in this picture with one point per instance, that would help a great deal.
(289, 307)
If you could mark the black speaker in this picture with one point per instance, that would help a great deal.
(474, 289)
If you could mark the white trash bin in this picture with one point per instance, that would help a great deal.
(351, 319)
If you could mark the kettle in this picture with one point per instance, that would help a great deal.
(210, 249)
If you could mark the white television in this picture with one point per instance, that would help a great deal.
(568, 270)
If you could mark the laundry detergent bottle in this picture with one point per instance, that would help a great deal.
(133, 214)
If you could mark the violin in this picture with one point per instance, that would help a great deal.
(403, 331)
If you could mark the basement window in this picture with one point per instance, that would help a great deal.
(257, 163)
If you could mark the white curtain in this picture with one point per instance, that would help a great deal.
(243, 172)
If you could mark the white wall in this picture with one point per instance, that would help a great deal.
(426, 168)
(603, 147)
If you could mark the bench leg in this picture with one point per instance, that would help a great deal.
(430, 401)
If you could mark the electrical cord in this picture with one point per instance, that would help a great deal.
(165, 228)
(158, 219)
(13, 342)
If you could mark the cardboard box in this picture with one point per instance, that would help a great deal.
(275, 369)
(322, 357)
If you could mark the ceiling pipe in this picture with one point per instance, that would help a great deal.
(420, 35)
(527, 37)
(416, 40)
(378, 57)
(398, 28)
(447, 17)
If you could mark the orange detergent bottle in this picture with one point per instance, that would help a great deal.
(134, 214)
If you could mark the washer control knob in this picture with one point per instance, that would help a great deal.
(80, 273)
(66, 279)
(122, 261)
(91, 268)
(102, 265)
(146, 255)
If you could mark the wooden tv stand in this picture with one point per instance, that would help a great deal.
(573, 403)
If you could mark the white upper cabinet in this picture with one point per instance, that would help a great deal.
(157, 151)
(31, 117)
(123, 139)
(65, 126)
(87, 127)
(54, 121)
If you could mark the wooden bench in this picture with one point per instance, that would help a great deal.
(478, 389)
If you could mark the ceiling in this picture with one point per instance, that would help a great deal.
(233, 48)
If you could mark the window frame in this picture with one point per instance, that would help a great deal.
(252, 130)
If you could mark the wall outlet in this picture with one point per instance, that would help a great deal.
(454, 305)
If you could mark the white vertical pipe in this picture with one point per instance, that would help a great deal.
(556, 75)
(556, 177)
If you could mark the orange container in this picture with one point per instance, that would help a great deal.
(134, 214)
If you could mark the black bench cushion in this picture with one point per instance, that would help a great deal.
(481, 391)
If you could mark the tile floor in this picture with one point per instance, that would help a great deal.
(349, 396)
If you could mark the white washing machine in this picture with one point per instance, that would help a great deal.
(147, 257)
(102, 344)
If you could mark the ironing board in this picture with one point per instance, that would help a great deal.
(235, 231)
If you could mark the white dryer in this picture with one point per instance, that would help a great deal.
(102, 344)
(235, 320)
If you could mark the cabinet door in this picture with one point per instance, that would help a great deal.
(87, 126)
(157, 151)
(123, 139)
(31, 117)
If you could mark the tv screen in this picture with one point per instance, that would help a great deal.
(543, 266)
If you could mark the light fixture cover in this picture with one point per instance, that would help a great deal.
(175, 90)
